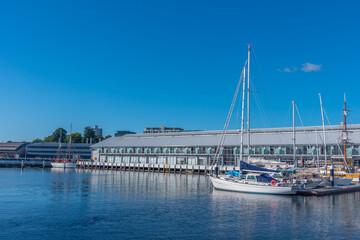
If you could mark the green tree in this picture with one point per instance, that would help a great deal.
(75, 138)
(48, 139)
(56, 135)
(37, 140)
(108, 136)
(88, 133)
(97, 139)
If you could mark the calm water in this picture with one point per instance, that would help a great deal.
(96, 204)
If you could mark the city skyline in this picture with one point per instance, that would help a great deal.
(127, 66)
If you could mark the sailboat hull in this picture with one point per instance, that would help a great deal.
(62, 165)
(223, 184)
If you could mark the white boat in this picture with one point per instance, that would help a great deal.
(63, 164)
(337, 182)
(238, 185)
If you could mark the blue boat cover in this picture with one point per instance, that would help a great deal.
(233, 173)
(248, 167)
(265, 178)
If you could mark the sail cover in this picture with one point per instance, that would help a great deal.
(248, 167)
(233, 173)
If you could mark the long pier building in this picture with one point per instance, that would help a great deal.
(199, 147)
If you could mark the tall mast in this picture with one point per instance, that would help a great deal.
(294, 136)
(242, 114)
(317, 150)
(248, 103)
(345, 133)
(70, 142)
(323, 123)
(59, 151)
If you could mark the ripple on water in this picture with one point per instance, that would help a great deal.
(93, 204)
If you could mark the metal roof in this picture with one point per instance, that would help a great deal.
(56, 145)
(259, 137)
(12, 146)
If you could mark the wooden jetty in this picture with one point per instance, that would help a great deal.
(329, 190)
(155, 167)
(24, 163)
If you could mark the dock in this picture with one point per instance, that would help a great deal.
(329, 190)
(155, 167)
(24, 163)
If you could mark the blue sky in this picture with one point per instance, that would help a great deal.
(127, 65)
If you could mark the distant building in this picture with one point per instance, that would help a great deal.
(97, 130)
(12, 149)
(122, 133)
(162, 129)
(51, 150)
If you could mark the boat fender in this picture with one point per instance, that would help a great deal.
(273, 182)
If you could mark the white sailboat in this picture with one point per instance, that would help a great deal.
(60, 162)
(247, 186)
(255, 180)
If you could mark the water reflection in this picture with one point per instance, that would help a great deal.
(303, 217)
(62, 170)
(102, 204)
(148, 184)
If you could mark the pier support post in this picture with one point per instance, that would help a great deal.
(216, 170)
(332, 180)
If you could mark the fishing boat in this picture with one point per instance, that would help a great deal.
(63, 162)
(250, 178)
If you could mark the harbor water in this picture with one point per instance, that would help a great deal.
(101, 204)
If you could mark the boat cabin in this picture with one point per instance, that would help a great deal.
(259, 177)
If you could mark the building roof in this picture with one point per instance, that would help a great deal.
(267, 137)
(12, 146)
(57, 145)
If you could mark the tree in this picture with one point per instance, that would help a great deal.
(75, 138)
(88, 133)
(37, 140)
(108, 136)
(56, 135)
(97, 139)
(48, 139)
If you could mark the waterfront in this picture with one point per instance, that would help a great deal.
(100, 204)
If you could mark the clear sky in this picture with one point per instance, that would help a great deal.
(127, 65)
